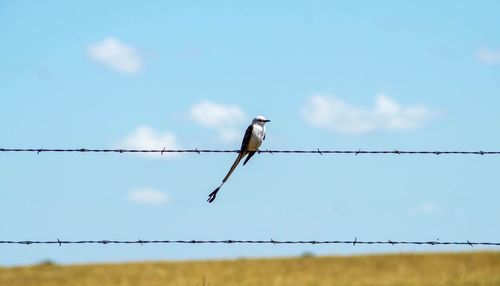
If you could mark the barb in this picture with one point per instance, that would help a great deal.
(199, 151)
(231, 241)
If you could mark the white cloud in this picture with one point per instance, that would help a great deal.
(116, 55)
(488, 56)
(147, 197)
(225, 119)
(425, 209)
(333, 114)
(145, 137)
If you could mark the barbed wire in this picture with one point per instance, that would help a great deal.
(199, 151)
(271, 241)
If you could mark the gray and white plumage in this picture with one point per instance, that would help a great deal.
(254, 135)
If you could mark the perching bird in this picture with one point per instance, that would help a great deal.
(255, 134)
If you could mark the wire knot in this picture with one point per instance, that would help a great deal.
(319, 152)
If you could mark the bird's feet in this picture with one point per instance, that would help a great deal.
(212, 195)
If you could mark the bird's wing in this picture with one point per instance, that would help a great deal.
(250, 154)
(246, 138)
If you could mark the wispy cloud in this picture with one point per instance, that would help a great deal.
(116, 55)
(225, 119)
(426, 208)
(488, 56)
(145, 137)
(331, 113)
(147, 197)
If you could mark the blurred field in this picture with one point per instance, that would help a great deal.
(404, 269)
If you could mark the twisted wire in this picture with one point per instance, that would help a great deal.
(199, 151)
(270, 241)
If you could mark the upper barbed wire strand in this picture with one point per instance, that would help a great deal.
(199, 151)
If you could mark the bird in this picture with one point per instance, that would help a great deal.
(254, 135)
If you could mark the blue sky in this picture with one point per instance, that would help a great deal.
(330, 75)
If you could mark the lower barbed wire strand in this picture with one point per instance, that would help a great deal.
(230, 241)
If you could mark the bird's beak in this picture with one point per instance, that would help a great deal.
(267, 120)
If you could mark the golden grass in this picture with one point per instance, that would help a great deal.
(482, 268)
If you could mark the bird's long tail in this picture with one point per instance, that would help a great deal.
(212, 195)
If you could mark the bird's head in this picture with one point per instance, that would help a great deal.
(261, 120)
